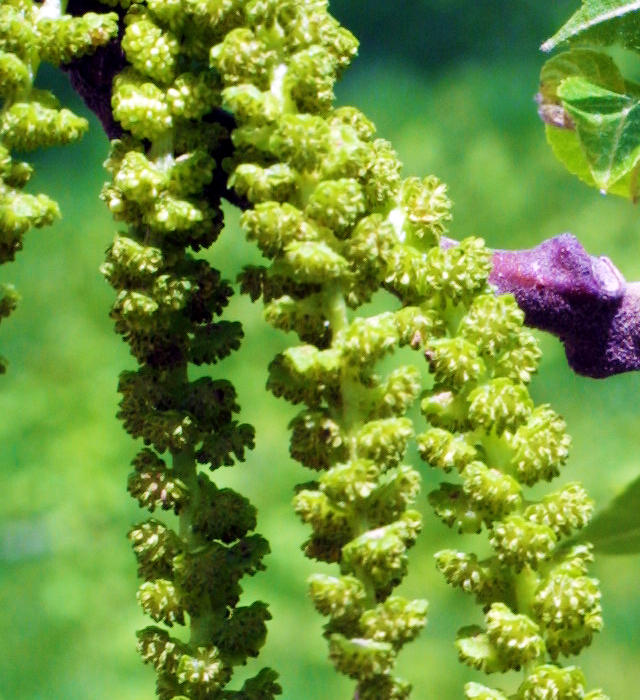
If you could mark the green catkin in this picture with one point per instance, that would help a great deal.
(30, 118)
(168, 308)
(538, 602)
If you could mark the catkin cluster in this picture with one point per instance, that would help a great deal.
(336, 223)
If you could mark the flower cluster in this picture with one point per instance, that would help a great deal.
(32, 118)
(168, 309)
(327, 206)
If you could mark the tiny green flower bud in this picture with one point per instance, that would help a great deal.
(396, 621)
(476, 650)
(384, 441)
(205, 672)
(476, 691)
(336, 205)
(342, 598)
(499, 405)
(516, 637)
(563, 511)
(367, 340)
(140, 105)
(486, 580)
(158, 648)
(454, 362)
(445, 450)
(427, 210)
(161, 601)
(520, 542)
(361, 658)
(491, 493)
(541, 446)
(552, 683)
(455, 508)
(149, 49)
(243, 58)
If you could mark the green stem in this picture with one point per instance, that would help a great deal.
(526, 583)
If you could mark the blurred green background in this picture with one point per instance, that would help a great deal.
(451, 84)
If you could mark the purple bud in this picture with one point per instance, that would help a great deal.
(582, 299)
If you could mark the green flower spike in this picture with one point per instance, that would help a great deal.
(538, 602)
(168, 306)
(318, 183)
(31, 33)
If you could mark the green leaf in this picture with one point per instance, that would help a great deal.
(598, 112)
(595, 66)
(603, 22)
(616, 529)
(608, 126)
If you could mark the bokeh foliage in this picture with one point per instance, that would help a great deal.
(451, 85)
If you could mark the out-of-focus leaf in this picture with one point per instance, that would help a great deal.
(616, 529)
(594, 66)
(603, 22)
(594, 118)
